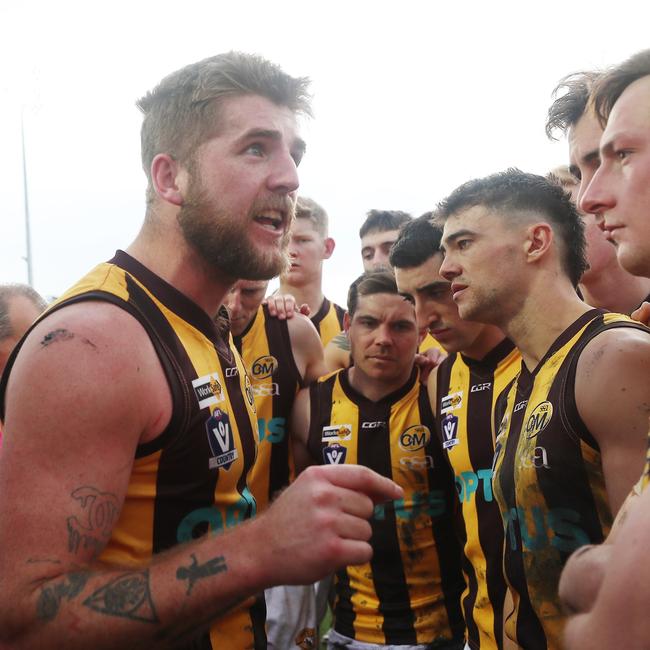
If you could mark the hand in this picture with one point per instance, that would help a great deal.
(642, 314)
(319, 524)
(283, 306)
(427, 361)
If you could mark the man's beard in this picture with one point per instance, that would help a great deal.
(222, 240)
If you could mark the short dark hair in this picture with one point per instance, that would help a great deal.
(368, 284)
(418, 240)
(516, 193)
(383, 220)
(612, 84)
(15, 290)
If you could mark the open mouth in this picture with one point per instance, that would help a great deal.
(271, 220)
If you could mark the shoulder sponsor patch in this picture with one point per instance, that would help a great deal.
(334, 454)
(208, 390)
(337, 432)
(449, 426)
(221, 440)
(451, 402)
(264, 367)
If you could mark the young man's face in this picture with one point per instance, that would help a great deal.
(483, 253)
(435, 309)
(383, 337)
(307, 249)
(243, 301)
(375, 248)
(239, 189)
(620, 189)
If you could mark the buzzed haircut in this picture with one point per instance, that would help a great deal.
(180, 113)
(612, 84)
(562, 176)
(383, 220)
(15, 290)
(418, 240)
(515, 194)
(571, 98)
(307, 208)
(369, 284)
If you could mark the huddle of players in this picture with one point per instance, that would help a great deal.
(541, 455)
(520, 448)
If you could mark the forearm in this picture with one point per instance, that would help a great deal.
(157, 606)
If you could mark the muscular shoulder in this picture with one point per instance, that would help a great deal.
(302, 332)
(91, 353)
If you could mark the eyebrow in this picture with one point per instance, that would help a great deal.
(437, 284)
(299, 144)
(458, 234)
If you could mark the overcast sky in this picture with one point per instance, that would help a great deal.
(410, 98)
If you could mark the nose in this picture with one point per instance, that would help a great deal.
(284, 176)
(383, 335)
(424, 315)
(449, 269)
(596, 199)
(233, 303)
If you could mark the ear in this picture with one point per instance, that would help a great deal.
(329, 244)
(346, 322)
(539, 238)
(164, 177)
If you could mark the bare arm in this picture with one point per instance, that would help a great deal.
(307, 348)
(616, 616)
(337, 353)
(432, 388)
(86, 389)
(299, 428)
(613, 398)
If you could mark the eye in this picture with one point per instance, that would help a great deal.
(622, 154)
(367, 255)
(256, 149)
(462, 244)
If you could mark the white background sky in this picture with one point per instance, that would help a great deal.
(411, 98)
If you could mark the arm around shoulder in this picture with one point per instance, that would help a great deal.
(307, 348)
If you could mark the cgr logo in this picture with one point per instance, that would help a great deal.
(373, 425)
(539, 419)
(414, 438)
(264, 367)
(232, 372)
(520, 405)
(477, 388)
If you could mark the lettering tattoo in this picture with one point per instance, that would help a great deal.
(49, 600)
(127, 596)
(196, 571)
(93, 528)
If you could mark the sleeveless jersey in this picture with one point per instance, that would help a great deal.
(548, 481)
(265, 347)
(409, 593)
(466, 394)
(328, 321)
(191, 479)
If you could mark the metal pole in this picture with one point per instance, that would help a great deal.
(28, 238)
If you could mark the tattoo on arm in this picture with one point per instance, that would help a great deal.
(196, 571)
(47, 606)
(127, 596)
(342, 342)
(63, 335)
(93, 527)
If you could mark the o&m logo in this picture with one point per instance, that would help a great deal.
(264, 366)
(414, 438)
(538, 419)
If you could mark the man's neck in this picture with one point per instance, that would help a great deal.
(615, 290)
(165, 252)
(547, 311)
(373, 389)
(485, 342)
(310, 294)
